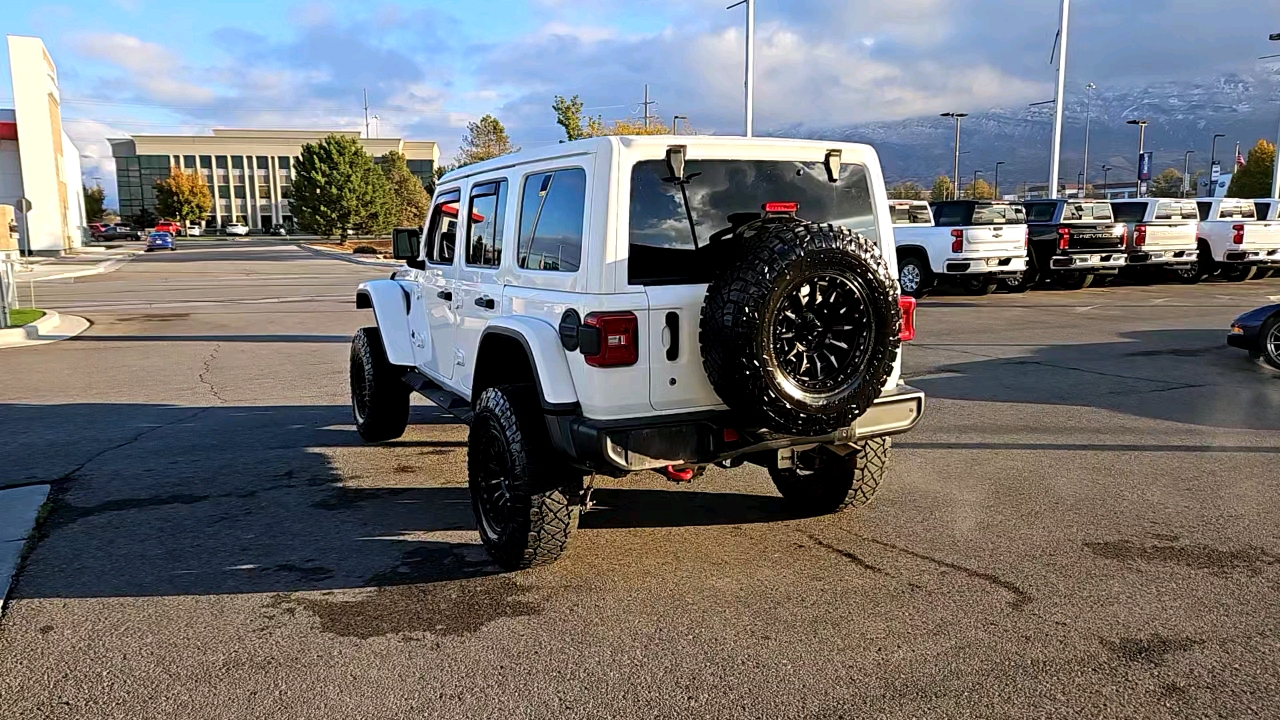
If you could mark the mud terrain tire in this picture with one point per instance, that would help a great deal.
(379, 395)
(832, 483)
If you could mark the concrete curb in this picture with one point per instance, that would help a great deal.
(104, 266)
(50, 328)
(347, 257)
(19, 509)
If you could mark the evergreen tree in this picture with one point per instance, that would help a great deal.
(409, 201)
(94, 203)
(1253, 180)
(486, 139)
(569, 117)
(338, 190)
(942, 188)
(183, 197)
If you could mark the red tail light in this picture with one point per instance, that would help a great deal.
(957, 241)
(1238, 238)
(782, 207)
(907, 305)
(1064, 238)
(1140, 235)
(617, 339)
(1026, 239)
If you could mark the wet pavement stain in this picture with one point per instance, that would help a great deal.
(1021, 598)
(1153, 649)
(1249, 560)
(443, 609)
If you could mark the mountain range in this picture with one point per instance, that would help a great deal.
(1182, 115)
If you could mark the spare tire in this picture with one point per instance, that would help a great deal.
(799, 331)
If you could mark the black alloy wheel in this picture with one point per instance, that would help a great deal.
(824, 331)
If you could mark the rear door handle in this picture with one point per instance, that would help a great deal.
(485, 302)
(445, 295)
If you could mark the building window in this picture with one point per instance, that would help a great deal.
(206, 162)
(188, 162)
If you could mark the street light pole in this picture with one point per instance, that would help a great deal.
(1105, 169)
(1088, 117)
(996, 190)
(974, 186)
(675, 123)
(955, 172)
(751, 61)
(1142, 136)
(1186, 172)
(1055, 159)
(1275, 170)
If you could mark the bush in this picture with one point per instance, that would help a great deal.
(364, 250)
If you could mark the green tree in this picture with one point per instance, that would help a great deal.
(942, 189)
(94, 203)
(338, 190)
(569, 117)
(1253, 180)
(907, 190)
(409, 201)
(486, 139)
(1166, 184)
(183, 196)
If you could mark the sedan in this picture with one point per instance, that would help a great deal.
(160, 241)
(237, 229)
(1258, 331)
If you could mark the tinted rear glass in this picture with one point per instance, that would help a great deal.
(999, 215)
(1176, 210)
(724, 195)
(910, 213)
(1041, 212)
(1077, 211)
(1131, 212)
(1237, 210)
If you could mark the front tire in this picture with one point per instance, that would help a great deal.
(379, 395)
(914, 277)
(823, 482)
(1074, 280)
(979, 286)
(1269, 342)
(1237, 272)
(526, 504)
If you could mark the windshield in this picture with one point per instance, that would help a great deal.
(724, 195)
(1078, 211)
(916, 213)
(1002, 214)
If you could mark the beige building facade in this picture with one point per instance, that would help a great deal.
(249, 172)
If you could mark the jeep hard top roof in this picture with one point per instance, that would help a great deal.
(719, 147)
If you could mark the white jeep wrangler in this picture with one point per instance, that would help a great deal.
(659, 303)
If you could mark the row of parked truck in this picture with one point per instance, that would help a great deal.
(980, 246)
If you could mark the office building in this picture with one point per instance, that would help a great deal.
(249, 172)
(39, 165)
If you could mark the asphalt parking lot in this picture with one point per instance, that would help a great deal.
(1083, 525)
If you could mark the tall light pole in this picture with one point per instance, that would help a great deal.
(751, 60)
(1088, 117)
(1105, 169)
(955, 172)
(1055, 159)
(1275, 171)
(974, 186)
(996, 190)
(1186, 172)
(1213, 148)
(1142, 137)
(675, 123)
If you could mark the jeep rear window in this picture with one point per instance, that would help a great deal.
(724, 195)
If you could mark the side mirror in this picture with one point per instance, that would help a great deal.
(406, 245)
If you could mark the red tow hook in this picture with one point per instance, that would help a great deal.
(677, 475)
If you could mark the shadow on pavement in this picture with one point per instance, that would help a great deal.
(1186, 376)
(164, 500)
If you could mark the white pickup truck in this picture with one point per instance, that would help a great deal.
(970, 243)
(1234, 243)
(1162, 236)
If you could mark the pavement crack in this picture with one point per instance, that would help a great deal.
(847, 555)
(1020, 597)
(208, 370)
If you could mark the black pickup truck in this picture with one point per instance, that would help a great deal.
(119, 231)
(1072, 242)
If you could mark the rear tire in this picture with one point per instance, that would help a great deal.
(914, 277)
(831, 483)
(526, 504)
(379, 395)
(1237, 272)
(1189, 275)
(979, 286)
(1074, 280)
(1269, 342)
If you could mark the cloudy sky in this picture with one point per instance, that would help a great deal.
(147, 66)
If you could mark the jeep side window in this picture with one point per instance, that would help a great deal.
(442, 233)
(551, 215)
(487, 217)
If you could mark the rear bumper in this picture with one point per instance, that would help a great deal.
(1252, 256)
(623, 446)
(1102, 260)
(1163, 256)
(999, 265)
